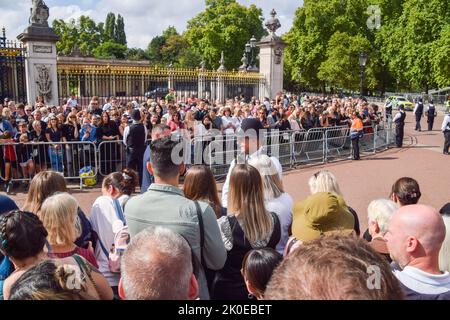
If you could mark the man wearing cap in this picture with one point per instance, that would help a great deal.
(134, 138)
(418, 111)
(250, 148)
(399, 121)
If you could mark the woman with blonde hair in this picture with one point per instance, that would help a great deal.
(248, 226)
(294, 121)
(59, 216)
(44, 185)
(275, 198)
(325, 181)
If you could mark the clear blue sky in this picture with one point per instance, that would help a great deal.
(144, 19)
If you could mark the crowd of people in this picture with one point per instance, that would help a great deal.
(37, 137)
(254, 243)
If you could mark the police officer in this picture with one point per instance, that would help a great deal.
(399, 121)
(446, 131)
(134, 138)
(418, 111)
(431, 114)
(447, 105)
(388, 109)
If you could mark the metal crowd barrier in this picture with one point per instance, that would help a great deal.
(21, 161)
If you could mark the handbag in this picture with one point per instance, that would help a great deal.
(209, 274)
(87, 270)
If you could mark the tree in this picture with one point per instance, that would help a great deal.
(315, 24)
(154, 49)
(120, 35)
(172, 48)
(68, 34)
(88, 35)
(110, 27)
(136, 54)
(341, 67)
(225, 26)
(110, 50)
(413, 47)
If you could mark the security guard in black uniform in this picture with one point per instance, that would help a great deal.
(431, 114)
(399, 121)
(134, 138)
(418, 111)
(446, 131)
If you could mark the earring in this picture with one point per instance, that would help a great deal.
(250, 296)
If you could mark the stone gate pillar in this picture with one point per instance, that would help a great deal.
(40, 58)
(272, 58)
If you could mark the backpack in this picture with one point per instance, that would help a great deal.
(121, 240)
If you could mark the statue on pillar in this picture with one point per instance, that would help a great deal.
(39, 13)
(273, 24)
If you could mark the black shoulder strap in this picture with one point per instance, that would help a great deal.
(202, 231)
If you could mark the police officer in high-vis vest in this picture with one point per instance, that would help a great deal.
(431, 114)
(418, 111)
(399, 121)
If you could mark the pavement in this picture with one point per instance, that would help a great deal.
(360, 181)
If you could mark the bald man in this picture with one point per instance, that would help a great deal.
(414, 239)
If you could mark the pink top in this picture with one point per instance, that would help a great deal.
(85, 253)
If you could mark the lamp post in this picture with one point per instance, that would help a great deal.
(249, 58)
(362, 65)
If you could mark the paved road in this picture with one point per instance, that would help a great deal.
(366, 180)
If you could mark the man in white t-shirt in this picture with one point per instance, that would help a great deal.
(414, 239)
(251, 148)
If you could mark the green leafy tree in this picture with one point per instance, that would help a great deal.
(136, 54)
(154, 49)
(341, 67)
(315, 24)
(120, 35)
(225, 26)
(88, 35)
(110, 27)
(68, 34)
(111, 50)
(411, 45)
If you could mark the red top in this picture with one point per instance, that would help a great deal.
(85, 253)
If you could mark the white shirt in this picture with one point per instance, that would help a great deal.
(397, 116)
(72, 102)
(423, 282)
(126, 132)
(446, 123)
(225, 122)
(226, 185)
(103, 215)
(283, 206)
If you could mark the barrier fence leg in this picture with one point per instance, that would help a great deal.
(375, 134)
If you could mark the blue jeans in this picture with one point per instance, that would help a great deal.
(56, 158)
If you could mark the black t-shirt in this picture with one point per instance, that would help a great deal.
(55, 136)
(108, 130)
(69, 132)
